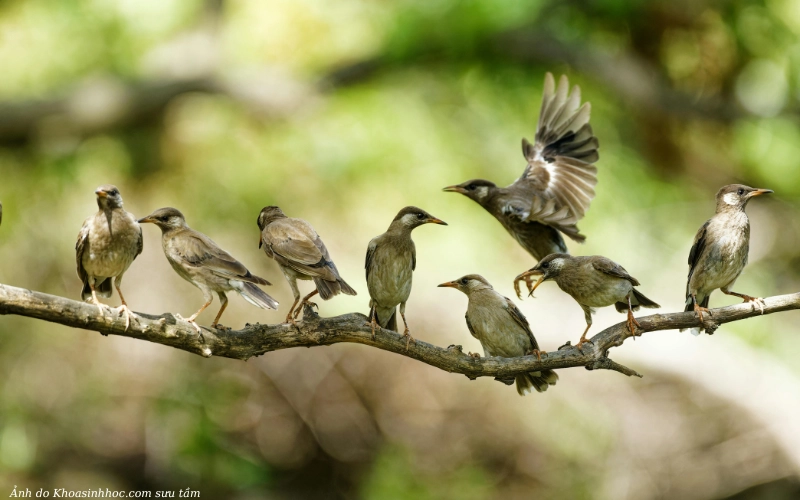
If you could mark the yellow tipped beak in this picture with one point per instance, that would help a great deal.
(538, 282)
(101, 193)
(759, 192)
(437, 221)
(449, 284)
(145, 219)
(453, 189)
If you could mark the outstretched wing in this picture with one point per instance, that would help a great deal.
(611, 268)
(520, 319)
(560, 176)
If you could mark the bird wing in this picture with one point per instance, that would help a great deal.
(295, 244)
(80, 246)
(469, 326)
(139, 243)
(560, 175)
(370, 254)
(611, 268)
(697, 250)
(520, 319)
(197, 249)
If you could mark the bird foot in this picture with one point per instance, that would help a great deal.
(631, 322)
(192, 322)
(582, 341)
(528, 284)
(409, 338)
(302, 306)
(374, 325)
(537, 353)
(757, 302)
(289, 320)
(220, 326)
(129, 315)
(474, 355)
(700, 310)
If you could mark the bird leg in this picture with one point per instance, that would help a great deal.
(757, 301)
(631, 320)
(406, 333)
(224, 301)
(191, 319)
(289, 318)
(583, 339)
(699, 309)
(96, 301)
(373, 313)
(304, 302)
(124, 308)
(537, 353)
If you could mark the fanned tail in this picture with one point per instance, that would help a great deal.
(539, 381)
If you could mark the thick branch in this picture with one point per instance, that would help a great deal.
(255, 340)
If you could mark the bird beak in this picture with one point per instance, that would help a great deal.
(449, 284)
(759, 192)
(101, 193)
(145, 219)
(454, 189)
(434, 220)
(532, 272)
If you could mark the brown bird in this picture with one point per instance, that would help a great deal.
(390, 263)
(501, 329)
(201, 262)
(593, 281)
(107, 244)
(720, 248)
(301, 255)
(555, 189)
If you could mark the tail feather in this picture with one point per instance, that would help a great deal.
(256, 296)
(644, 301)
(329, 289)
(527, 382)
(104, 289)
(690, 307)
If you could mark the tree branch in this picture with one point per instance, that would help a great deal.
(255, 340)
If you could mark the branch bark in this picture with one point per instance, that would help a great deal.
(255, 340)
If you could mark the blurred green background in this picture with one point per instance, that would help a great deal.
(342, 113)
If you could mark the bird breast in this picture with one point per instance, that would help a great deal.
(494, 326)
(725, 253)
(390, 275)
(111, 247)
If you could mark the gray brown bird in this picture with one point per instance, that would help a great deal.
(107, 244)
(501, 329)
(301, 255)
(555, 189)
(390, 263)
(719, 251)
(593, 281)
(201, 262)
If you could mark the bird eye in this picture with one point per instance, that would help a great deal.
(740, 191)
(546, 265)
(420, 216)
(471, 187)
(464, 281)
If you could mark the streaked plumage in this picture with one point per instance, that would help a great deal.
(557, 186)
(108, 242)
(390, 263)
(593, 281)
(201, 262)
(301, 255)
(502, 330)
(719, 252)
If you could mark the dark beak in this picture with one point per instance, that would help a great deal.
(434, 220)
(449, 284)
(759, 192)
(101, 193)
(454, 189)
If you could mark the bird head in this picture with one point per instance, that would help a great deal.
(269, 215)
(468, 284)
(411, 217)
(736, 196)
(547, 269)
(476, 189)
(108, 197)
(166, 218)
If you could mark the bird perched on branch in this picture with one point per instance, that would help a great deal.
(555, 189)
(593, 281)
(201, 262)
(301, 255)
(501, 329)
(107, 244)
(390, 263)
(720, 248)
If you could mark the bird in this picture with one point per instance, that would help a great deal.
(301, 255)
(719, 251)
(593, 281)
(201, 262)
(108, 242)
(502, 330)
(557, 185)
(390, 263)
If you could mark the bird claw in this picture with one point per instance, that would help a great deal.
(537, 353)
(410, 338)
(757, 302)
(192, 322)
(129, 315)
(580, 343)
(474, 355)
